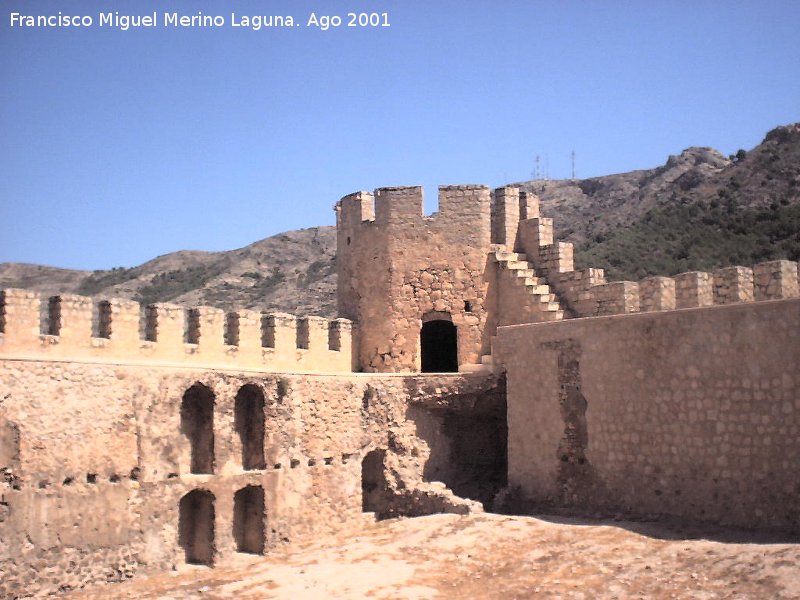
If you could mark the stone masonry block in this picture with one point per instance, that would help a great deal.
(124, 324)
(775, 280)
(166, 328)
(657, 293)
(505, 216)
(76, 319)
(733, 284)
(398, 205)
(20, 316)
(617, 297)
(693, 289)
(528, 206)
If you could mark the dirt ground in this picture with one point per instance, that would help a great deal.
(493, 557)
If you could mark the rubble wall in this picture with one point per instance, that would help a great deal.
(95, 459)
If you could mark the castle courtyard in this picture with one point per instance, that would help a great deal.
(488, 556)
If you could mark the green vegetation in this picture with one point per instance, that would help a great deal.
(687, 236)
(166, 286)
(265, 284)
(740, 155)
(316, 271)
(100, 280)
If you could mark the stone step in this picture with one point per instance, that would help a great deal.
(481, 368)
(542, 296)
(516, 265)
(487, 360)
(505, 256)
(538, 289)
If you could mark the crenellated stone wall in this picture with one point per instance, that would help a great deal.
(588, 294)
(136, 439)
(68, 326)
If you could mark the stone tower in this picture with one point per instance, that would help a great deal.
(401, 272)
(426, 291)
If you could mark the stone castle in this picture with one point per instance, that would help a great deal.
(473, 368)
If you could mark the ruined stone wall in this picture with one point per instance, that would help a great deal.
(68, 327)
(96, 459)
(693, 413)
(397, 267)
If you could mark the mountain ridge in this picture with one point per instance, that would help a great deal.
(699, 210)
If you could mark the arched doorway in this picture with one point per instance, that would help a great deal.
(374, 486)
(439, 346)
(248, 519)
(197, 424)
(196, 527)
(249, 424)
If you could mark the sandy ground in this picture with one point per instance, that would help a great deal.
(494, 556)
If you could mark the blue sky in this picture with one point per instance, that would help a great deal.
(118, 146)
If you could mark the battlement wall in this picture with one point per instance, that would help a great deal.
(398, 212)
(510, 205)
(76, 327)
(587, 293)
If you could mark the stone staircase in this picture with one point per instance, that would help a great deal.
(538, 303)
(485, 366)
(533, 300)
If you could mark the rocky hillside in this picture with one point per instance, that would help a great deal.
(700, 210)
(291, 272)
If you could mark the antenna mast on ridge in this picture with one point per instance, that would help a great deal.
(573, 163)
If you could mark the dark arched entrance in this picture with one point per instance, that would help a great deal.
(248, 519)
(196, 527)
(373, 482)
(197, 424)
(249, 424)
(439, 347)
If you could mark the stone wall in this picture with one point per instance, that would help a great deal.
(97, 459)
(486, 260)
(588, 294)
(693, 413)
(68, 327)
